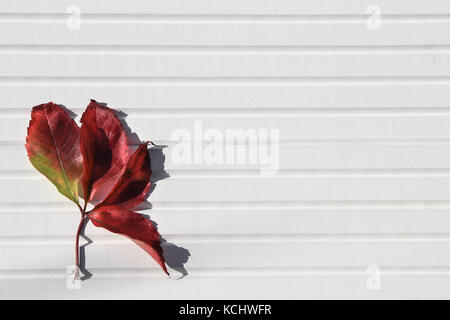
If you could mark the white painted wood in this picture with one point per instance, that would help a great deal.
(320, 158)
(226, 64)
(223, 33)
(417, 285)
(270, 252)
(401, 223)
(318, 96)
(261, 188)
(161, 128)
(231, 7)
(364, 152)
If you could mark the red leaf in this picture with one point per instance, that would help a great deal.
(104, 147)
(134, 184)
(133, 226)
(53, 147)
(98, 155)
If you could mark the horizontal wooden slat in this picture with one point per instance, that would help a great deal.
(234, 33)
(122, 253)
(253, 190)
(166, 128)
(231, 7)
(172, 96)
(264, 96)
(351, 156)
(327, 222)
(285, 286)
(226, 65)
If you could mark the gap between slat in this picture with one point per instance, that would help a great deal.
(227, 49)
(256, 173)
(208, 81)
(260, 205)
(56, 274)
(298, 142)
(240, 18)
(33, 241)
(256, 112)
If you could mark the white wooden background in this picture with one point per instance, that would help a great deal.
(364, 119)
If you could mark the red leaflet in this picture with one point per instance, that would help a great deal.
(53, 146)
(132, 187)
(133, 226)
(104, 147)
(130, 190)
(98, 155)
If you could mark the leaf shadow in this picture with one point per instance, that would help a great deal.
(176, 257)
(71, 114)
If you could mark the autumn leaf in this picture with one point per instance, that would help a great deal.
(97, 156)
(104, 147)
(53, 146)
(133, 226)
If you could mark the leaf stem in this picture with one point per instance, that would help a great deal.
(77, 249)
